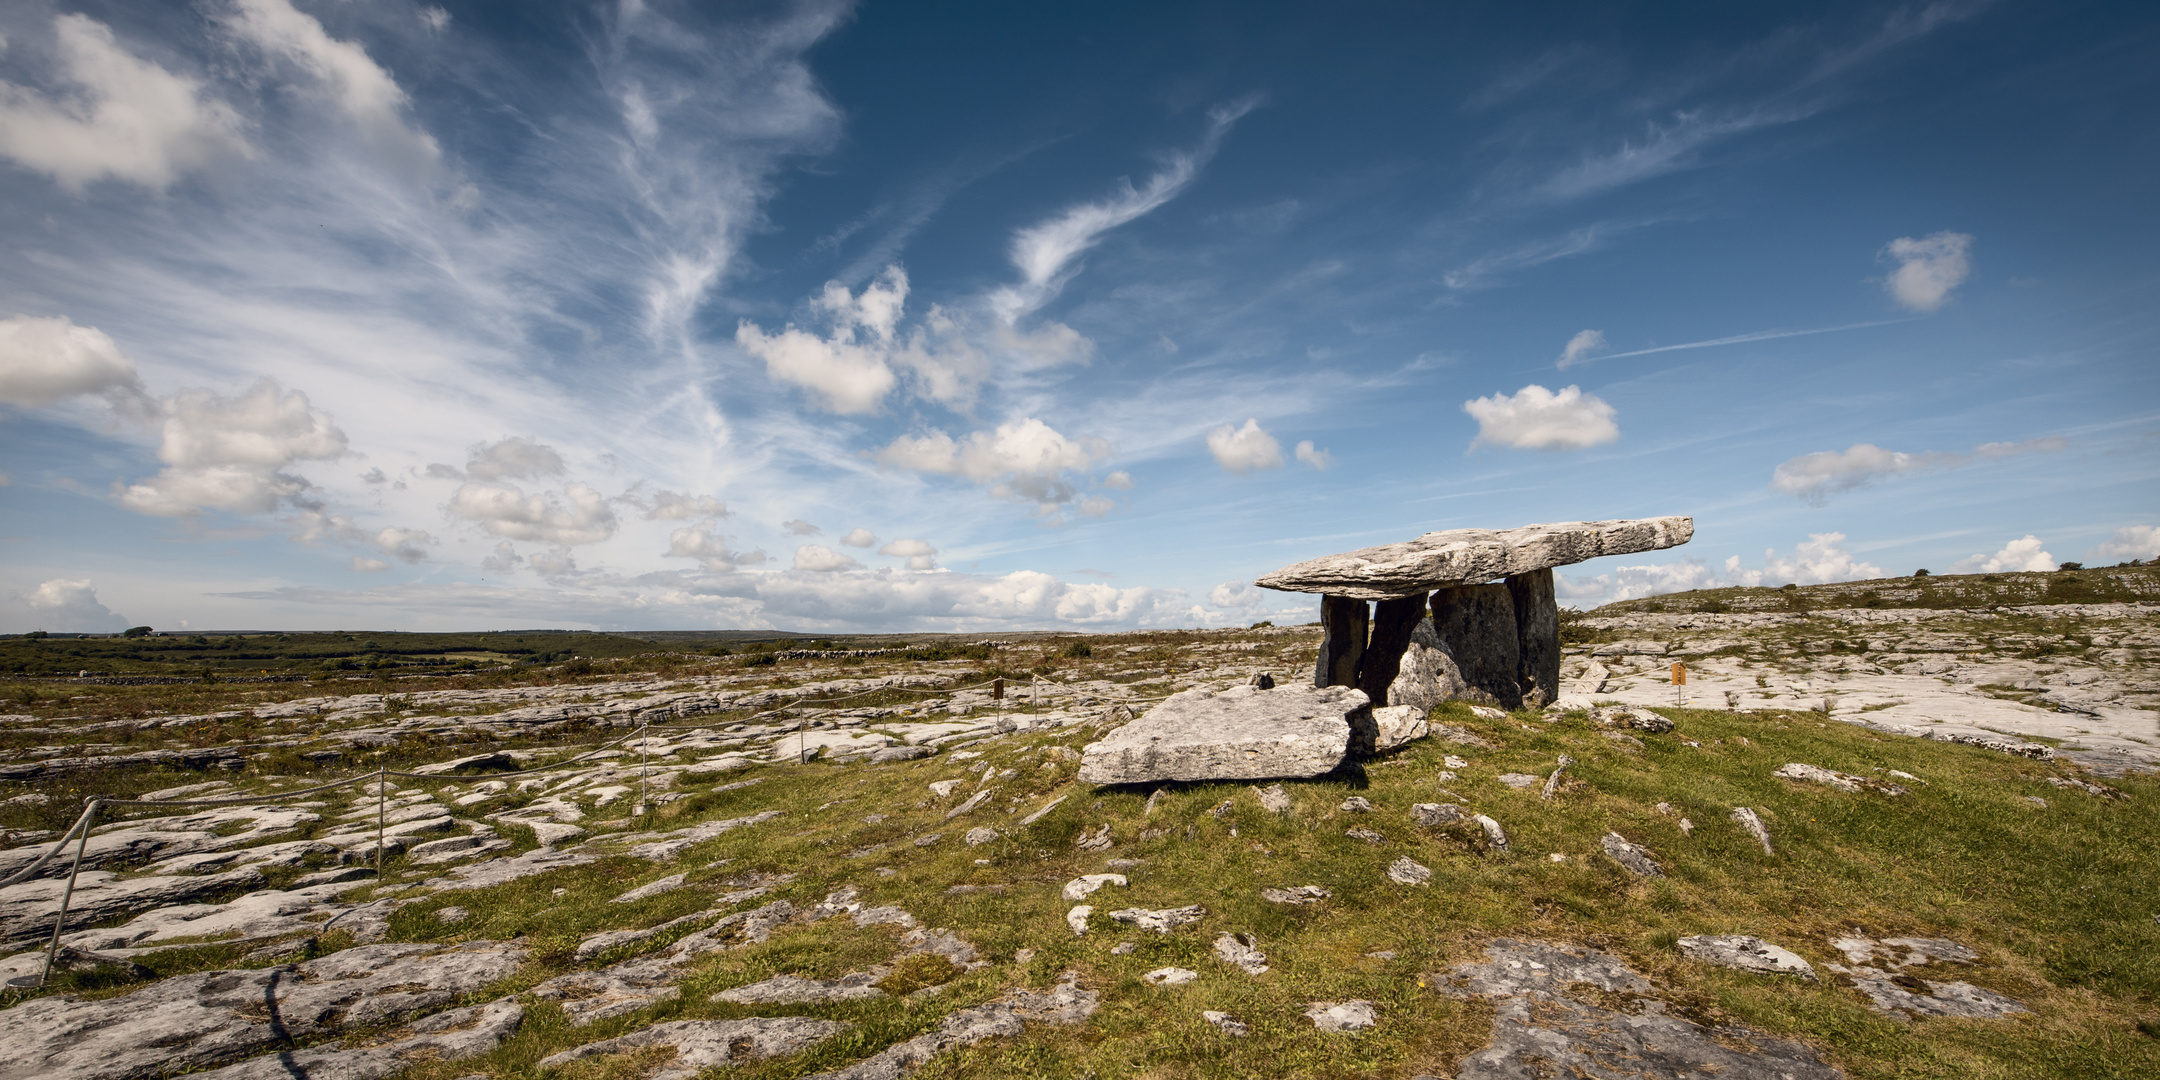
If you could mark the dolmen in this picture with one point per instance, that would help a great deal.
(1465, 614)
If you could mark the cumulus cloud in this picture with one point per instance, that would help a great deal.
(514, 458)
(44, 360)
(356, 85)
(1584, 345)
(363, 565)
(577, 515)
(1814, 477)
(845, 368)
(503, 559)
(704, 543)
(405, 545)
(1044, 252)
(71, 607)
(1318, 459)
(2017, 556)
(1238, 596)
(1244, 449)
(819, 559)
(1820, 559)
(554, 562)
(1021, 459)
(859, 538)
(229, 453)
(1928, 268)
(1535, 418)
(1096, 506)
(1118, 481)
(128, 119)
(799, 527)
(2129, 542)
(675, 506)
(918, 553)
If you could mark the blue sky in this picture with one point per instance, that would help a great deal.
(985, 316)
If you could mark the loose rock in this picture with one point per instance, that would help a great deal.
(1237, 734)
(1161, 921)
(1745, 954)
(1841, 781)
(1228, 1024)
(1342, 1018)
(1170, 976)
(702, 1044)
(1633, 857)
(1752, 822)
(1273, 799)
(1081, 887)
(1296, 895)
(1403, 871)
(1240, 951)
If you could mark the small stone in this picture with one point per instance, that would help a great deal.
(1226, 1023)
(1273, 798)
(1517, 780)
(1124, 948)
(1240, 951)
(1382, 954)
(926, 841)
(1161, 921)
(1434, 814)
(1154, 799)
(1631, 856)
(1125, 864)
(1752, 822)
(1403, 871)
(1296, 895)
(1170, 976)
(944, 788)
(1629, 716)
(1745, 954)
(1623, 739)
(1356, 804)
(1453, 762)
(452, 914)
(1687, 828)
(2035, 800)
(1023, 956)
(1077, 918)
(1081, 887)
(1094, 839)
(1557, 857)
(980, 835)
(1366, 835)
(666, 884)
(1342, 1018)
(1841, 781)
(1262, 681)
(1494, 834)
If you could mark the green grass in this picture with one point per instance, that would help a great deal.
(2059, 902)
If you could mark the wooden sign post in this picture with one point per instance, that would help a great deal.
(1679, 683)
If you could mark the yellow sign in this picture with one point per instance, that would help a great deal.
(1679, 674)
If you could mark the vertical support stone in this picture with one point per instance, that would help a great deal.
(1393, 620)
(1537, 623)
(1477, 624)
(1342, 641)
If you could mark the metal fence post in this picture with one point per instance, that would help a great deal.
(382, 798)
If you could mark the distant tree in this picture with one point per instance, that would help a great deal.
(2071, 566)
(36, 635)
(135, 631)
(1922, 572)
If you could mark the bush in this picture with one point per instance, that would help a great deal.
(2064, 566)
(135, 632)
(1079, 650)
(1922, 572)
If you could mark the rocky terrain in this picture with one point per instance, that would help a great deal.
(1867, 842)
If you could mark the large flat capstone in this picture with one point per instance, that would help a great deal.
(1439, 560)
(1243, 733)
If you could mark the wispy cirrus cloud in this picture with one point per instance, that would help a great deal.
(1817, 476)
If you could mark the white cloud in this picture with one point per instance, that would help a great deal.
(503, 559)
(1928, 268)
(1535, 418)
(514, 458)
(43, 360)
(704, 543)
(362, 565)
(918, 553)
(1318, 459)
(1023, 459)
(1819, 560)
(578, 515)
(1118, 481)
(819, 559)
(227, 453)
(1664, 148)
(131, 120)
(1244, 449)
(406, 545)
(1044, 252)
(2129, 542)
(1239, 596)
(1814, 477)
(2017, 556)
(1096, 506)
(675, 506)
(1584, 345)
(554, 562)
(845, 369)
(799, 527)
(71, 607)
(859, 538)
(361, 89)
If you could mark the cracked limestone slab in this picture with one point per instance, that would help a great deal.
(1243, 733)
(1538, 1030)
(1453, 557)
(703, 1044)
(446, 1036)
(1744, 953)
(1006, 1016)
(101, 896)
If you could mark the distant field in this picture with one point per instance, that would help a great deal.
(2097, 586)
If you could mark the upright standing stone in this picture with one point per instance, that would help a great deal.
(1427, 674)
(1393, 622)
(1342, 641)
(1477, 624)
(1537, 622)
